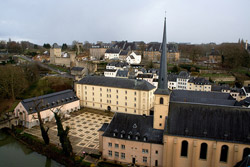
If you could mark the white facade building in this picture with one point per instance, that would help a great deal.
(133, 58)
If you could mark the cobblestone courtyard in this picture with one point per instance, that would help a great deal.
(83, 134)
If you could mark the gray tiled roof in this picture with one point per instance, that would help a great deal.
(133, 125)
(104, 127)
(199, 81)
(216, 98)
(116, 82)
(112, 50)
(225, 123)
(183, 74)
(122, 73)
(50, 100)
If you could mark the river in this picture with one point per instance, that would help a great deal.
(15, 154)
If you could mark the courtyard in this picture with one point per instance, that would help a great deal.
(84, 126)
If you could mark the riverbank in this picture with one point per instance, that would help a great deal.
(51, 151)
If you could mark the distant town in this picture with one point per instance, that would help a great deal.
(129, 102)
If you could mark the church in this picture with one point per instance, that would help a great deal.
(186, 128)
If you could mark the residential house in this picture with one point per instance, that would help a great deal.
(112, 54)
(199, 84)
(133, 58)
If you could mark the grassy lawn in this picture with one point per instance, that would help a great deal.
(215, 75)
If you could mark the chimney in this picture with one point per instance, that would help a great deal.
(246, 45)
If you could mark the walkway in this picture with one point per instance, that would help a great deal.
(84, 135)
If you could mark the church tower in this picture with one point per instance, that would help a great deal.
(162, 93)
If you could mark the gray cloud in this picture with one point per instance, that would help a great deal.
(60, 21)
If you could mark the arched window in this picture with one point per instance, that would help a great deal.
(184, 148)
(223, 154)
(161, 100)
(246, 152)
(203, 151)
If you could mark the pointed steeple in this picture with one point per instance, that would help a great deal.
(163, 80)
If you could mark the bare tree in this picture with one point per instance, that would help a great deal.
(38, 105)
(63, 133)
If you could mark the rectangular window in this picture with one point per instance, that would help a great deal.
(110, 153)
(116, 91)
(117, 154)
(135, 98)
(125, 97)
(123, 146)
(116, 145)
(156, 151)
(116, 102)
(135, 105)
(145, 159)
(125, 103)
(135, 93)
(100, 94)
(110, 144)
(145, 151)
(117, 96)
(100, 89)
(126, 92)
(122, 155)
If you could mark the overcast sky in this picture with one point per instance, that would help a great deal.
(62, 21)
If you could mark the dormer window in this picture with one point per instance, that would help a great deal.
(128, 136)
(144, 138)
(122, 133)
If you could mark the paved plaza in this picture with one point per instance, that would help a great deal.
(83, 133)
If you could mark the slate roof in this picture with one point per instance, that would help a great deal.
(77, 69)
(215, 98)
(199, 81)
(122, 73)
(172, 77)
(104, 127)
(154, 46)
(183, 74)
(124, 52)
(124, 125)
(117, 82)
(245, 102)
(117, 64)
(112, 50)
(50, 100)
(130, 46)
(224, 123)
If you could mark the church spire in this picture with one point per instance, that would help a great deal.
(163, 80)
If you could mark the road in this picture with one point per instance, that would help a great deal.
(59, 73)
